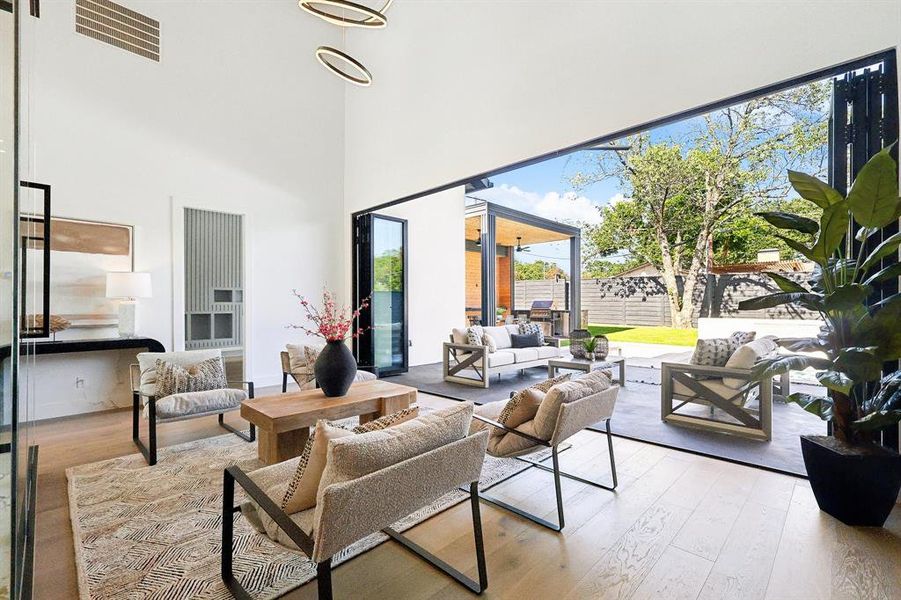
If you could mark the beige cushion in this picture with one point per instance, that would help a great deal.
(511, 329)
(175, 379)
(489, 343)
(360, 376)
(546, 418)
(489, 410)
(500, 335)
(147, 364)
(509, 444)
(458, 335)
(353, 457)
(501, 358)
(396, 418)
(301, 491)
(548, 352)
(196, 403)
(524, 354)
(746, 356)
(716, 385)
(302, 357)
(274, 480)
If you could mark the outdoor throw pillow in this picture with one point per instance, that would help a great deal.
(301, 492)
(302, 357)
(529, 340)
(528, 328)
(474, 335)
(740, 338)
(490, 342)
(712, 352)
(174, 379)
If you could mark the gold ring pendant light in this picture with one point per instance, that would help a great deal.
(338, 62)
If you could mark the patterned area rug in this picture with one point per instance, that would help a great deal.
(154, 532)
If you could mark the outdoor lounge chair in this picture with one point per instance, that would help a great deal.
(360, 501)
(732, 390)
(559, 417)
(181, 406)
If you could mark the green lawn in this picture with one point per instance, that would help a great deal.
(646, 335)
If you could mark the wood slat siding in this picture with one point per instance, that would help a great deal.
(214, 260)
(642, 300)
(118, 26)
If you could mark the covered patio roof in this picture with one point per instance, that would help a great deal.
(512, 224)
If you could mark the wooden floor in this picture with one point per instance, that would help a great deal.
(679, 526)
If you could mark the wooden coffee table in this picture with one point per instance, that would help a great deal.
(283, 420)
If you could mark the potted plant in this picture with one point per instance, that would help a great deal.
(335, 367)
(853, 478)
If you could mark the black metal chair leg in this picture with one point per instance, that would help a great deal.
(477, 534)
(324, 579)
(228, 525)
(560, 520)
(247, 438)
(610, 448)
(148, 453)
(284, 382)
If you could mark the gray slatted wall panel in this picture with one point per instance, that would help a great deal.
(214, 260)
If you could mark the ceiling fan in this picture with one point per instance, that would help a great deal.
(519, 247)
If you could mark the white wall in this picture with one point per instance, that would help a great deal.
(237, 116)
(465, 87)
(437, 270)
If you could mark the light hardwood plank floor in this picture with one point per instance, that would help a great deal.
(679, 526)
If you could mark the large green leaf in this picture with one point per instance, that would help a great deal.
(785, 284)
(889, 395)
(784, 220)
(771, 367)
(864, 233)
(835, 380)
(846, 297)
(833, 227)
(881, 329)
(873, 199)
(881, 251)
(806, 299)
(806, 252)
(818, 405)
(877, 420)
(812, 189)
(890, 272)
(860, 364)
(804, 345)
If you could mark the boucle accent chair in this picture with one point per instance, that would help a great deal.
(180, 406)
(370, 481)
(536, 419)
(303, 376)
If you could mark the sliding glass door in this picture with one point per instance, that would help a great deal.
(381, 275)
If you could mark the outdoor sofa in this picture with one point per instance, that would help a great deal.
(474, 365)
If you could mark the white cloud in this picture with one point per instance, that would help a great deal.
(617, 198)
(568, 207)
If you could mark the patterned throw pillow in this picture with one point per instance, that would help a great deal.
(715, 352)
(529, 328)
(524, 404)
(301, 492)
(175, 379)
(740, 338)
(474, 335)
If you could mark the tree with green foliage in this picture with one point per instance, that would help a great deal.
(683, 193)
(537, 270)
(388, 272)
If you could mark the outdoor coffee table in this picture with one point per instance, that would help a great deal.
(585, 365)
(283, 420)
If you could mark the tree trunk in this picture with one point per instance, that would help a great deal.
(841, 416)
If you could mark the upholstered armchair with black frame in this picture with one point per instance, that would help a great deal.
(350, 510)
(561, 414)
(180, 406)
(305, 379)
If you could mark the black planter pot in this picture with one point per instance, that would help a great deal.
(335, 369)
(858, 485)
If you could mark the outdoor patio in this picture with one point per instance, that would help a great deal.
(637, 413)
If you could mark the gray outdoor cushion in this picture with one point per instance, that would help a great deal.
(524, 354)
(500, 358)
(501, 336)
(548, 352)
(197, 403)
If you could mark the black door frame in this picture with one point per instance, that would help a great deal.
(363, 269)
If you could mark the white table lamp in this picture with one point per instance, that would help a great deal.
(128, 287)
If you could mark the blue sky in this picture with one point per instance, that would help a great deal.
(543, 189)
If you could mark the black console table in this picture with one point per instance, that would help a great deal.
(98, 345)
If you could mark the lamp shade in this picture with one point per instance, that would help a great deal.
(128, 285)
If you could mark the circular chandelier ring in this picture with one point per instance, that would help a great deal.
(324, 54)
(366, 17)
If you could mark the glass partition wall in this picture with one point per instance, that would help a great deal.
(22, 313)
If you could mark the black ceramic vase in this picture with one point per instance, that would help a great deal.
(335, 369)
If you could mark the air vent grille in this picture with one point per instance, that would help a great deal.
(118, 26)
